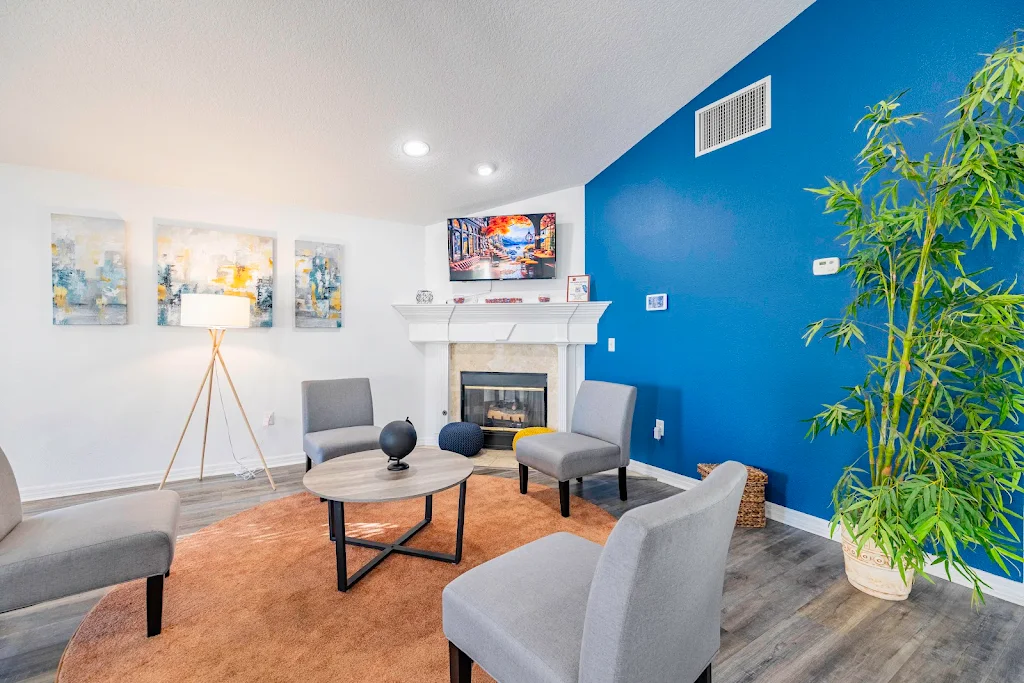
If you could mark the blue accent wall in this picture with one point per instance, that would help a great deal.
(730, 237)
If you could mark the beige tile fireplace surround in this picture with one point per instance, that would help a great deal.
(502, 358)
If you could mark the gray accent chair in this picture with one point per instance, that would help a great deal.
(337, 419)
(598, 440)
(83, 547)
(646, 607)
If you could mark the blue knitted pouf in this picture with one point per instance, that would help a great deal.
(464, 438)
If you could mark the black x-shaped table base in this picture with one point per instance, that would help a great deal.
(336, 519)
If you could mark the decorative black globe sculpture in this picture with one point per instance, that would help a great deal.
(397, 440)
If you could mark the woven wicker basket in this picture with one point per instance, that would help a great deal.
(751, 513)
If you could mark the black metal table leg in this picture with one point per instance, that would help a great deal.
(337, 519)
(338, 509)
(461, 524)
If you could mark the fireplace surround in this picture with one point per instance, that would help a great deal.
(555, 330)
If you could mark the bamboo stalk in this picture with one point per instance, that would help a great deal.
(908, 341)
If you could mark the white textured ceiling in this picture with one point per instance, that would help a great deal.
(307, 102)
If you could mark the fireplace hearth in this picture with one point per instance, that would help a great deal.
(502, 403)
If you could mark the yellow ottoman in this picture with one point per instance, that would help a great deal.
(529, 431)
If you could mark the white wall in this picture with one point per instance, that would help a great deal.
(569, 208)
(91, 408)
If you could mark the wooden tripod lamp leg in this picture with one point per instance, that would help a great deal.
(248, 426)
(195, 402)
(209, 397)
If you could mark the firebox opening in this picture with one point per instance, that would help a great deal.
(502, 403)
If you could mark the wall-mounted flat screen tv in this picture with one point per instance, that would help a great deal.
(519, 247)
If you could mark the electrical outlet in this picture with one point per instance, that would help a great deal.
(659, 429)
(611, 344)
(268, 419)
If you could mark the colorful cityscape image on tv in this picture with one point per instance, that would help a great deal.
(519, 247)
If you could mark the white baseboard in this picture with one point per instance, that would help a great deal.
(998, 586)
(680, 481)
(146, 478)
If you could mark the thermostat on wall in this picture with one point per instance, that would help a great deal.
(826, 266)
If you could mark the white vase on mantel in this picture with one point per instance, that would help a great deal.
(872, 572)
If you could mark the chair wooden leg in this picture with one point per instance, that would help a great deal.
(563, 497)
(622, 483)
(524, 477)
(705, 676)
(154, 604)
(460, 665)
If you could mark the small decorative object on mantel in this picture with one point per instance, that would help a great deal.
(751, 514)
(578, 288)
(543, 299)
(504, 300)
(459, 299)
(397, 440)
(424, 296)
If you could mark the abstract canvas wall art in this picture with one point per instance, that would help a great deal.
(200, 260)
(89, 276)
(317, 284)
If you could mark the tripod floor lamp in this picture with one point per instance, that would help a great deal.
(217, 313)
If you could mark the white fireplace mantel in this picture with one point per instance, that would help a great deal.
(535, 323)
(569, 326)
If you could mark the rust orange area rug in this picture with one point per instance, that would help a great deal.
(254, 597)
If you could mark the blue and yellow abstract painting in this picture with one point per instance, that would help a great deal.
(196, 260)
(317, 284)
(90, 279)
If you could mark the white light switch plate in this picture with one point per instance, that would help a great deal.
(826, 266)
(611, 344)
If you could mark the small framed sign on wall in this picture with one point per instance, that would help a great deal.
(578, 288)
(657, 302)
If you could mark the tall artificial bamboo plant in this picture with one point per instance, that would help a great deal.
(941, 405)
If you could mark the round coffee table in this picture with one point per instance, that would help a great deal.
(364, 478)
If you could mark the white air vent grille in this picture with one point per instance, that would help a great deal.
(732, 118)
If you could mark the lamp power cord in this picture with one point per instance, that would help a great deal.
(242, 471)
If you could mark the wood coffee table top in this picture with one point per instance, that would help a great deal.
(365, 478)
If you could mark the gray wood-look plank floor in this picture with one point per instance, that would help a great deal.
(789, 613)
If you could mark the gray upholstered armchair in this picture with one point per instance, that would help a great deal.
(602, 420)
(79, 548)
(646, 607)
(337, 419)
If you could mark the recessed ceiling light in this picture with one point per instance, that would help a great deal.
(485, 169)
(416, 148)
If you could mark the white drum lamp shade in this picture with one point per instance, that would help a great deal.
(214, 311)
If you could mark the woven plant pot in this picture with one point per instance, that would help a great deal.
(751, 514)
(871, 571)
